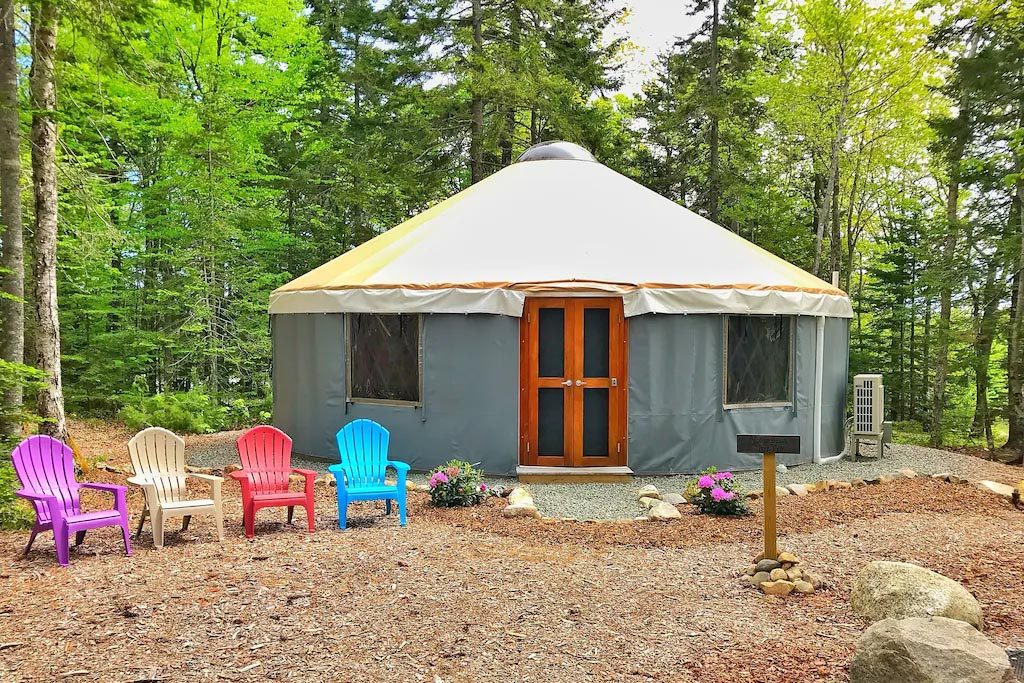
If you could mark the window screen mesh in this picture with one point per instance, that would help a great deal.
(384, 352)
(758, 359)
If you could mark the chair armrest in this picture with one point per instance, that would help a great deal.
(148, 490)
(244, 478)
(310, 476)
(213, 480)
(120, 494)
(56, 511)
(113, 488)
(340, 476)
(398, 465)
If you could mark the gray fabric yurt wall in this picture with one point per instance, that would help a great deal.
(677, 422)
(471, 384)
(470, 390)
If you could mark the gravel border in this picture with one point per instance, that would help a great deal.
(618, 501)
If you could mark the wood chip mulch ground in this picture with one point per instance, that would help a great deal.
(467, 595)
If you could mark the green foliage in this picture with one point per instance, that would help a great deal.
(716, 493)
(456, 484)
(15, 513)
(189, 412)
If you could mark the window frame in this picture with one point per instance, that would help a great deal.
(788, 403)
(350, 399)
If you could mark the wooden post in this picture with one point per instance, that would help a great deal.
(768, 445)
(771, 551)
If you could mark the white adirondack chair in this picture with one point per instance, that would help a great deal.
(158, 457)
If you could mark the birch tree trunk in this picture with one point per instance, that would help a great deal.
(714, 174)
(833, 175)
(1015, 362)
(44, 184)
(12, 307)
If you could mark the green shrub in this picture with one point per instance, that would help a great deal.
(456, 484)
(717, 493)
(14, 512)
(189, 412)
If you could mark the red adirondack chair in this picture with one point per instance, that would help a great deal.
(266, 455)
(46, 470)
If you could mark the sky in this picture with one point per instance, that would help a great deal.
(652, 25)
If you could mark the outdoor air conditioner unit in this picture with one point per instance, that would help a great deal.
(868, 405)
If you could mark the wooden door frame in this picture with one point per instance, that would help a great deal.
(618, 397)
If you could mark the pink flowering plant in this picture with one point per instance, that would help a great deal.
(717, 493)
(456, 484)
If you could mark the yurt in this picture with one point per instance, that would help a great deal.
(560, 315)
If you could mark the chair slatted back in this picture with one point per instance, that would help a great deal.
(363, 445)
(159, 455)
(47, 466)
(266, 453)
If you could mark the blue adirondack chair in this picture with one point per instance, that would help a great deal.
(363, 445)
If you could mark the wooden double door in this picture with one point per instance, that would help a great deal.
(573, 357)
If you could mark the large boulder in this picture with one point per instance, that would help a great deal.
(898, 589)
(927, 650)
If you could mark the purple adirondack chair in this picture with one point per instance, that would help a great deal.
(46, 470)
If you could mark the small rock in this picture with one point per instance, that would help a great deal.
(750, 570)
(907, 473)
(199, 470)
(755, 494)
(328, 480)
(521, 509)
(781, 491)
(885, 478)
(843, 485)
(794, 573)
(231, 467)
(858, 483)
(422, 488)
(803, 587)
(649, 491)
(648, 503)
(673, 499)
(777, 587)
(957, 479)
(788, 557)
(813, 578)
(760, 577)
(519, 494)
(798, 490)
(995, 487)
(781, 468)
(410, 485)
(873, 480)
(943, 476)
(663, 512)
(779, 575)
(766, 565)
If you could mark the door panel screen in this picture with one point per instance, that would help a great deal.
(595, 342)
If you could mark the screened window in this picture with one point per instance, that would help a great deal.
(384, 356)
(758, 359)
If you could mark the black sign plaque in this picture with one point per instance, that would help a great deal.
(767, 443)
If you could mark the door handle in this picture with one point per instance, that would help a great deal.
(567, 383)
(580, 383)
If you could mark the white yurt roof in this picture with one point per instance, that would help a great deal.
(559, 222)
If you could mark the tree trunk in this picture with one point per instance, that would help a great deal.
(509, 133)
(1015, 362)
(714, 175)
(835, 247)
(44, 183)
(833, 175)
(12, 310)
(476, 115)
(986, 307)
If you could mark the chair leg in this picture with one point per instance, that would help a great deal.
(184, 522)
(311, 517)
(60, 540)
(387, 506)
(157, 521)
(342, 511)
(401, 508)
(31, 539)
(142, 520)
(291, 513)
(250, 523)
(126, 533)
(79, 537)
